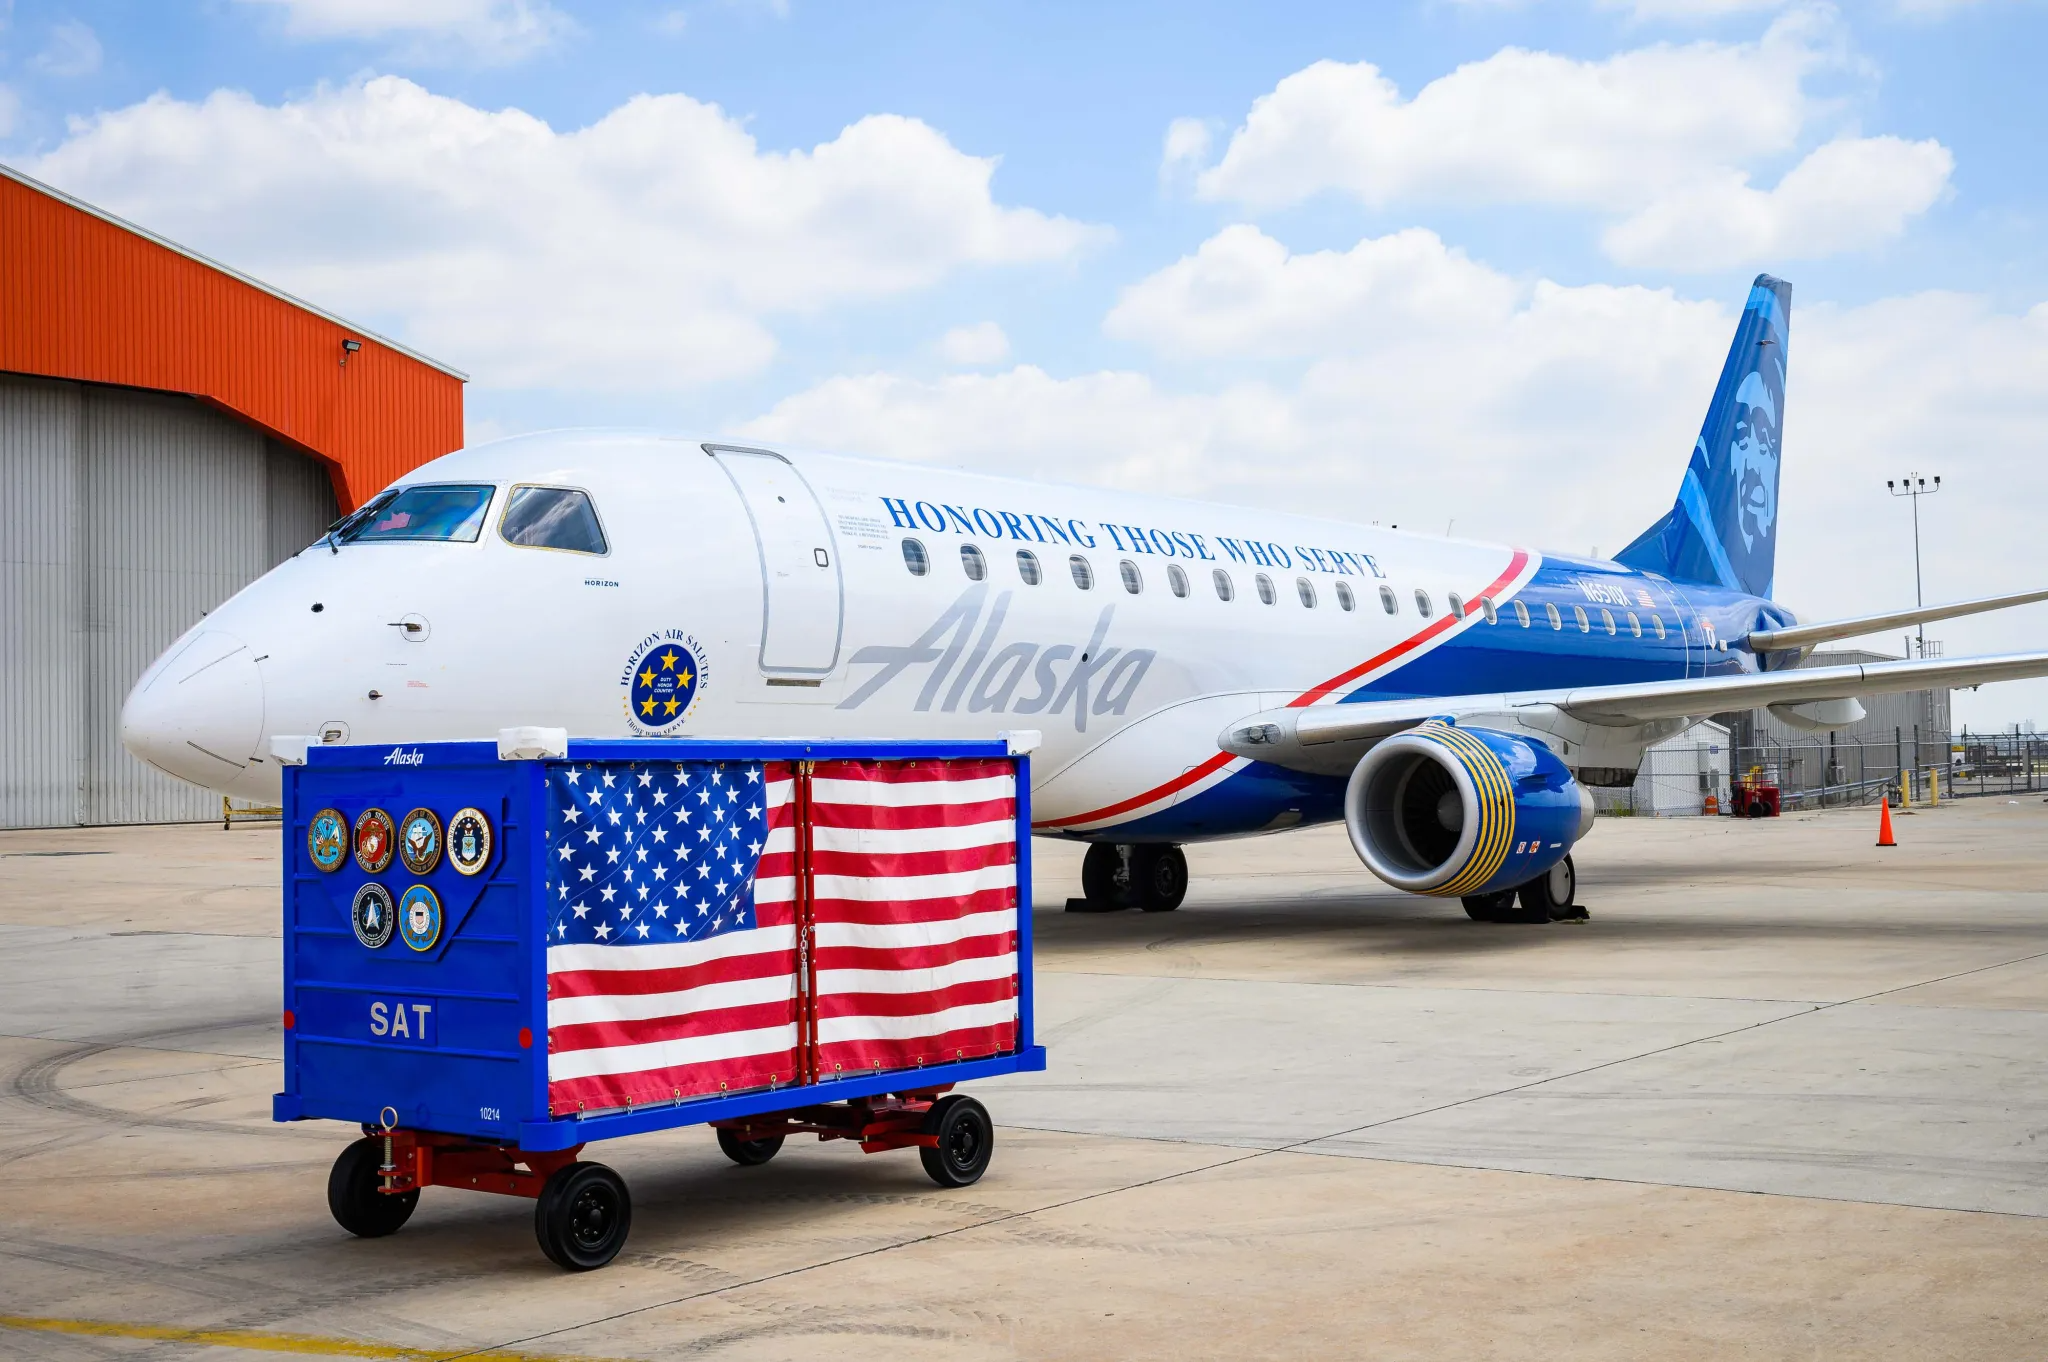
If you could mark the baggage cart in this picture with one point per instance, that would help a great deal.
(495, 954)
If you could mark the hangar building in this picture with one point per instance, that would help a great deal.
(169, 431)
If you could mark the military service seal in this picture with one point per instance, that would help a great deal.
(469, 841)
(371, 915)
(419, 918)
(419, 841)
(327, 839)
(375, 840)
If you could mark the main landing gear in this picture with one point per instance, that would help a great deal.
(1125, 875)
(1547, 898)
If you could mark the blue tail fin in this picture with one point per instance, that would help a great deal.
(1723, 529)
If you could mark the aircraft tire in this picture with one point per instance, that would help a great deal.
(1102, 875)
(1159, 875)
(1548, 897)
(353, 1198)
(1495, 907)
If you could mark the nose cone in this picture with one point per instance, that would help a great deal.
(199, 713)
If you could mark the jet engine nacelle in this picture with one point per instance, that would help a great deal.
(1452, 811)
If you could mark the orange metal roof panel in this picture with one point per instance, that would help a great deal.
(88, 297)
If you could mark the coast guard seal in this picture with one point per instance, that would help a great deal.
(376, 840)
(419, 918)
(371, 915)
(419, 841)
(469, 841)
(327, 840)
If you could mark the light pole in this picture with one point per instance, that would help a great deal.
(1915, 486)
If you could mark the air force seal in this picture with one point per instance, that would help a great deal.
(419, 918)
(419, 841)
(327, 839)
(663, 677)
(469, 841)
(375, 840)
(371, 915)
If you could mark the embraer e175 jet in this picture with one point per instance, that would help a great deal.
(1196, 671)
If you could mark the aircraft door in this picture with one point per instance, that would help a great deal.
(803, 604)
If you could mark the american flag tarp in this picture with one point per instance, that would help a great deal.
(680, 894)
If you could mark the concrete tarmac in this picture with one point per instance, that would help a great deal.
(1786, 1095)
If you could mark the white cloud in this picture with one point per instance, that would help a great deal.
(73, 50)
(649, 250)
(1690, 10)
(672, 23)
(1186, 148)
(493, 30)
(981, 343)
(1849, 194)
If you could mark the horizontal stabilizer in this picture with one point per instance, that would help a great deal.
(1801, 636)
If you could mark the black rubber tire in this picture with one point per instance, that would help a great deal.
(1102, 876)
(353, 1197)
(583, 1216)
(749, 1153)
(1547, 897)
(966, 1140)
(1159, 875)
(1495, 907)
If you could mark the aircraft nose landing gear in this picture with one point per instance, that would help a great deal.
(1125, 875)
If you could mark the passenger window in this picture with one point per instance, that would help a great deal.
(446, 514)
(1607, 620)
(1027, 567)
(1579, 618)
(1422, 605)
(551, 518)
(1635, 626)
(1486, 609)
(1176, 580)
(1521, 614)
(1457, 604)
(1265, 586)
(1224, 590)
(1345, 600)
(1305, 589)
(972, 563)
(1389, 602)
(1657, 623)
(1550, 613)
(1128, 570)
(915, 558)
(1084, 576)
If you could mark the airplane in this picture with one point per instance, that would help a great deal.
(1190, 671)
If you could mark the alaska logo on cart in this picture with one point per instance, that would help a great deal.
(662, 679)
(405, 756)
(371, 915)
(419, 918)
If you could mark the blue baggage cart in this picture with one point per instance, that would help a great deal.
(494, 954)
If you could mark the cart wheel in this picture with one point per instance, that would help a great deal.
(583, 1216)
(352, 1193)
(966, 1139)
(749, 1153)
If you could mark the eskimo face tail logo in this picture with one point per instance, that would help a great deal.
(664, 675)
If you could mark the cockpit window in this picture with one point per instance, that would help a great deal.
(438, 512)
(552, 518)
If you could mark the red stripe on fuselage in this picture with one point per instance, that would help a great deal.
(1307, 697)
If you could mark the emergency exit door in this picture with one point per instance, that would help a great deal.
(802, 605)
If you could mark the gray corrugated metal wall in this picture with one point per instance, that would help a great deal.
(126, 515)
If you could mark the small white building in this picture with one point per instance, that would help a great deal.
(1677, 775)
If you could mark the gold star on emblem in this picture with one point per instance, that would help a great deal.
(647, 677)
(668, 662)
(672, 706)
(647, 706)
(684, 679)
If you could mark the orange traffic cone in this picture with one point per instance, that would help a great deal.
(1884, 824)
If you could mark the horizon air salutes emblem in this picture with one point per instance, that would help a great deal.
(419, 841)
(419, 918)
(327, 839)
(662, 678)
(469, 841)
(370, 914)
(376, 840)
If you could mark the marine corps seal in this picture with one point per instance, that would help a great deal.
(371, 915)
(375, 840)
(419, 918)
(419, 841)
(469, 841)
(327, 839)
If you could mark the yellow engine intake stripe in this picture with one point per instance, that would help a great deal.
(1496, 808)
(255, 1340)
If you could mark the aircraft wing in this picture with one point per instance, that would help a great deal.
(1798, 636)
(1325, 737)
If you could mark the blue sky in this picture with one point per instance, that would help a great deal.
(1413, 263)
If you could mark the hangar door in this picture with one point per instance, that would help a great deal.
(802, 605)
